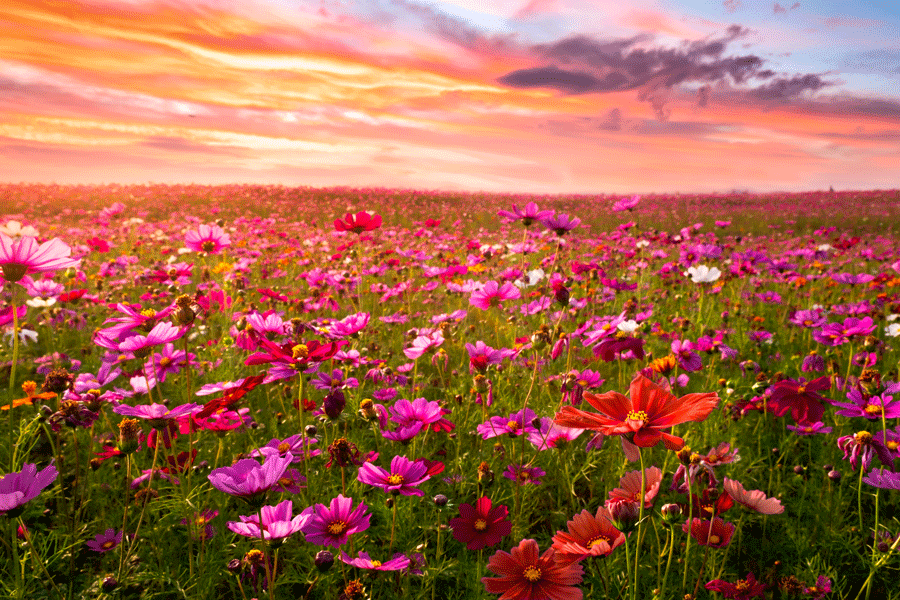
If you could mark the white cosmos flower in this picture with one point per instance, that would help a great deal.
(703, 274)
(14, 230)
(892, 330)
(629, 326)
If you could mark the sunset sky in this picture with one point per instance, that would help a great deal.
(532, 96)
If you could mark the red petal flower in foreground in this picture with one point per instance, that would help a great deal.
(526, 576)
(588, 535)
(643, 416)
(481, 526)
(361, 221)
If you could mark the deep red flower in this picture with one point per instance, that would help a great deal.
(718, 536)
(800, 398)
(358, 223)
(229, 398)
(526, 576)
(481, 526)
(643, 416)
(742, 589)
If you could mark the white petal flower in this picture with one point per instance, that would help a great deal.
(703, 274)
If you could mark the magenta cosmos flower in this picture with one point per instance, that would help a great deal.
(492, 294)
(398, 562)
(277, 523)
(358, 223)
(18, 488)
(23, 256)
(106, 541)
(141, 345)
(159, 415)
(247, 478)
(481, 526)
(208, 238)
(401, 479)
(526, 575)
(742, 589)
(333, 525)
(527, 215)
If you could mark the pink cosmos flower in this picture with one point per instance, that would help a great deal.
(159, 415)
(401, 479)
(332, 525)
(106, 541)
(277, 522)
(18, 488)
(209, 239)
(527, 215)
(23, 256)
(358, 223)
(247, 478)
(492, 294)
(755, 500)
(626, 204)
(397, 563)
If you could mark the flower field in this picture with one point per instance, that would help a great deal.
(271, 392)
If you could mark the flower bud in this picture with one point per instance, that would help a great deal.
(671, 514)
(324, 560)
(334, 404)
(129, 435)
(625, 514)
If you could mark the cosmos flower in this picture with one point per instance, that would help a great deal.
(22, 486)
(755, 500)
(630, 486)
(717, 536)
(209, 239)
(626, 204)
(401, 479)
(883, 479)
(481, 526)
(297, 445)
(525, 575)
(277, 522)
(703, 274)
(588, 535)
(492, 294)
(800, 397)
(159, 415)
(524, 475)
(527, 215)
(642, 417)
(358, 223)
(24, 256)
(560, 224)
(397, 563)
(517, 423)
(742, 589)
(247, 478)
(333, 525)
(106, 541)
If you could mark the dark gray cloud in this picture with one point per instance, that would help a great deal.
(581, 65)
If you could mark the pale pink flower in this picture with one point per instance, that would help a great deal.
(755, 500)
(630, 486)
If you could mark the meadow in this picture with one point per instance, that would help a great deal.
(272, 392)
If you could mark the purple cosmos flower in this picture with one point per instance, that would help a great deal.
(809, 428)
(852, 278)
(492, 294)
(18, 488)
(527, 215)
(687, 358)
(398, 562)
(203, 529)
(524, 475)
(836, 334)
(106, 541)
(808, 318)
(560, 224)
(334, 381)
(871, 407)
(277, 522)
(297, 445)
(209, 239)
(159, 415)
(401, 479)
(883, 479)
(332, 526)
(820, 590)
(247, 478)
(813, 363)
(517, 423)
(169, 361)
(860, 447)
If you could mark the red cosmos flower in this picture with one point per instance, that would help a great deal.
(742, 589)
(588, 535)
(717, 537)
(642, 417)
(526, 576)
(481, 526)
(229, 398)
(800, 398)
(358, 223)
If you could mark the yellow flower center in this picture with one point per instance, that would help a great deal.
(337, 527)
(376, 563)
(108, 544)
(801, 389)
(714, 539)
(148, 313)
(395, 479)
(741, 585)
(863, 437)
(480, 525)
(892, 444)
(873, 409)
(300, 351)
(532, 574)
(512, 426)
(283, 447)
(165, 361)
(597, 540)
(636, 415)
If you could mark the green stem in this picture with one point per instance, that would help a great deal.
(12, 374)
(637, 548)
